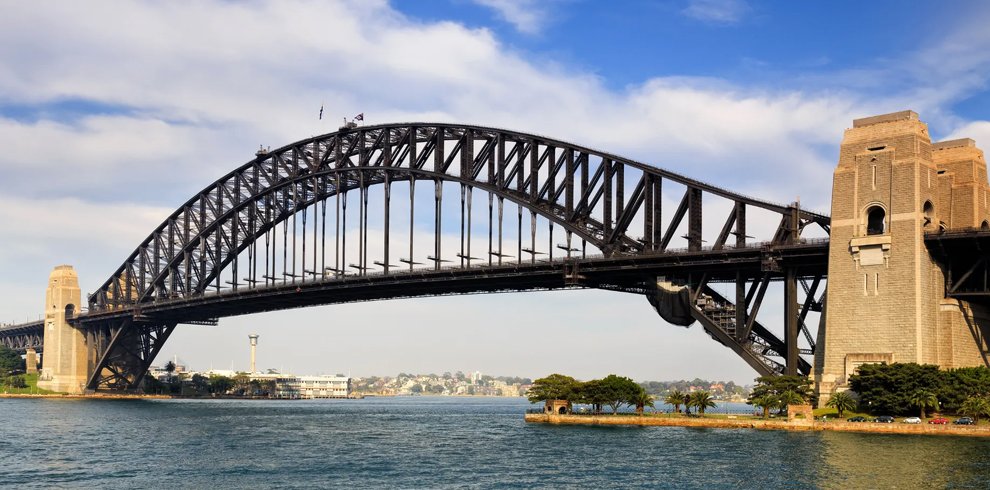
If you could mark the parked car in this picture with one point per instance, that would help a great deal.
(964, 421)
(939, 421)
(884, 419)
(912, 420)
(858, 418)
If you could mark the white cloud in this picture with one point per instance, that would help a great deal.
(716, 11)
(977, 130)
(525, 15)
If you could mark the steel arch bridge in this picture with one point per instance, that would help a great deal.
(528, 213)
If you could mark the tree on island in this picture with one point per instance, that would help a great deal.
(784, 390)
(641, 400)
(790, 397)
(841, 402)
(617, 391)
(701, 400)
(554, 387)
(676, 398)
(591, 392)
(924, 399)
(764, 402)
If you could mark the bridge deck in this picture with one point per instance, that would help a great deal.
(631, 273)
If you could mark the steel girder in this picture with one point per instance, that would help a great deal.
(581, 190)
(23, 336)
(964, 256)
(121, 351)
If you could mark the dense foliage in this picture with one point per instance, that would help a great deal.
(10, 361)
(553, 387)
(612, 391)
(959, 384)
(909, 388)
(888, 388)
(779, 391)
(700, 400)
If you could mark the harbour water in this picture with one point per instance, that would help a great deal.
(427, 442)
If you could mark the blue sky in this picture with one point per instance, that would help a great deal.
(627, 42)
(113, 113)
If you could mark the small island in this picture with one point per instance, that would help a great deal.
(920, 396)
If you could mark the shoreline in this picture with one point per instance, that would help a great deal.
(761, 424)
(85, 396)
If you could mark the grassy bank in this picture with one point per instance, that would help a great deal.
(31, 389)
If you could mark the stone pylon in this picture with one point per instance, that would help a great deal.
(886, 300)
(64, 363)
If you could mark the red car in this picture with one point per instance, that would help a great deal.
(939, 421)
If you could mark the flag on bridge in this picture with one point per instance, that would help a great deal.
(359, 117)
(321, 112)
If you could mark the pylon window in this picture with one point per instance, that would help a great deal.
(876, 222)
(929, 212)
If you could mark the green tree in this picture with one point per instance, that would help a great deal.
(616, 391)
(701, 400)
(242, 384)
(789, 397)
(220, 385)
(10, 361)
(416, 388)
(780, 391)
(888, 388)
(553, 387)
(976, 407)
(765, 401)
(200, 383)
(593, 393)
(676, 398)
(841, 402)
(924, 399)
(641, 400)
(153, 386)
(961, 383)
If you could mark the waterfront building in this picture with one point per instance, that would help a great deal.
(338, 386)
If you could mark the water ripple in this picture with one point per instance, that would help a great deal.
(422, 442)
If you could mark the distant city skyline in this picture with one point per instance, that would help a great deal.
(106, 131)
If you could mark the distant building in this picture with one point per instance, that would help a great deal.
(324, 386)
(290, 386)
(286, 385)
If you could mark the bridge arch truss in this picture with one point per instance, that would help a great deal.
(281, 221)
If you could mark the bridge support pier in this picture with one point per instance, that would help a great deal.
(31, 361)
(64, 365)
(790, 322)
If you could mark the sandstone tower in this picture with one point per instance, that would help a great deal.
(64, 362)
(886, 299)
